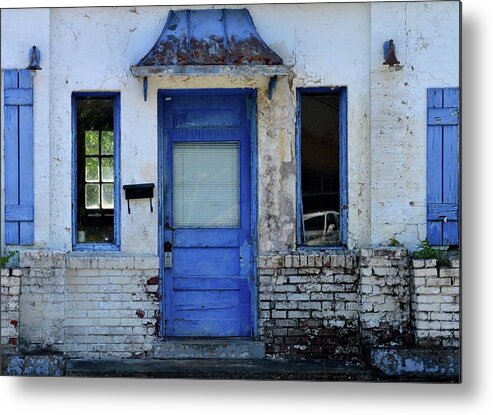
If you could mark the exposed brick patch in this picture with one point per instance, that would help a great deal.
(435, 302)
(384, 296)
(308, 304)
(10, 282)
(153, 281)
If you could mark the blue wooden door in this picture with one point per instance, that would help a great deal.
(443, 166)
(206, 221)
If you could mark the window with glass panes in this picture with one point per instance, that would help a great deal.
(95, 170)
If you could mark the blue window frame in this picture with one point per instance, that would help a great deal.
(96, 170)
(321, 155)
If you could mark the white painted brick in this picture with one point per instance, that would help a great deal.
(449, 308)
(429, 325)
(16, 272)
(430, 263)
(439, 299)
(151, 262)
(428, 290)
(298, 314)
(455, 263)
(309, 305)
(450, 325)
(449, 272)
(450, 290)
(425, 272)
(417, 263)
(438, 281)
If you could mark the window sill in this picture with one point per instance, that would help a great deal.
(96, 247)
(319, 248)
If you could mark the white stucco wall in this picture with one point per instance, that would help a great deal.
(15, 46)
(426, 35)
(91, 49)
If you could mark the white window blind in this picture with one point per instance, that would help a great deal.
(206, 183)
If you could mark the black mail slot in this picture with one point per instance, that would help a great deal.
(139, 191)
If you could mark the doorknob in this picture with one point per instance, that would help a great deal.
(168, 227)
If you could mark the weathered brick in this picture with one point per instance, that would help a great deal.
(425, 272)
(449, 272)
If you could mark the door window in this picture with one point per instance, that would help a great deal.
(206, 185)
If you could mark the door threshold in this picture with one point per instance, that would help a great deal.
(208, 348)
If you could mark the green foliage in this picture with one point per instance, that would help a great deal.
(426, 251)
(394, 242)
(4, 259)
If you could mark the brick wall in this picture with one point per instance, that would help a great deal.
(84, 305)
(309, 304)
(312, 304)
(42, 301)
(9, 301)
(111, 306)
(435, 302)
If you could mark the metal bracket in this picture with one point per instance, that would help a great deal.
(144, 84)
(272, 86)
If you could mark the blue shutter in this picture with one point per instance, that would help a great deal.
(18, 157)
(443, 166)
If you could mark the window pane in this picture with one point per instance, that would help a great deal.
(108, 196)
(206, 185)
(320, 169)
(92, 196)
(92, 142)
(107, 169)
(107, 142)
(92, 169)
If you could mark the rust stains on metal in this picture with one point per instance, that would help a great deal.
(210, 37)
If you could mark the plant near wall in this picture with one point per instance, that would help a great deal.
(4, 259)
(426, 251)
(395, 242)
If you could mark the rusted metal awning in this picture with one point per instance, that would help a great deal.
(209, 42)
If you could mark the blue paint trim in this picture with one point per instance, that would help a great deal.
(343, 164)
(252, 114)
(117, 160)
(164, 172)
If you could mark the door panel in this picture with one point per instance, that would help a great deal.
(207, 215)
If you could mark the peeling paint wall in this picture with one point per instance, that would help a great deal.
(426, 35)
(87, 49)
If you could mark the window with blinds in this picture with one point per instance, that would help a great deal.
(206, 185)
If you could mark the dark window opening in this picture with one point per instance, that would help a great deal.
(320, 170)
(95, 170)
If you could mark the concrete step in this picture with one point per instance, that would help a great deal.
(208, 349)
(264, 369)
